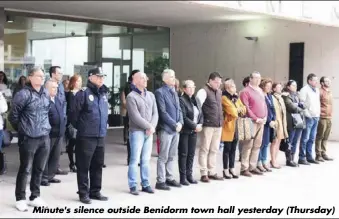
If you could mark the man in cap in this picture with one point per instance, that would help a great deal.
(89, 116)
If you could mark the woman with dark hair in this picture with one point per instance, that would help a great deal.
(21, 83)
(282, 133)
(3, 81)
(294, 108)
(269, 127)
(75, 84)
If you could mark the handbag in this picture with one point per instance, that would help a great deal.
(245, 129)
(298, 122)
(284, 145)
(71, 132)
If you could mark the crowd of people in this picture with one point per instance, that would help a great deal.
(263, 115)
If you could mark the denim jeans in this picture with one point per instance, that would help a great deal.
(308, 138)
(294, 137)
(141, 149)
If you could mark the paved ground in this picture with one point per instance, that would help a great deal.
(305, 187)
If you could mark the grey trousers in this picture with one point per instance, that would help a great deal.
(52, 162)
(168, 152)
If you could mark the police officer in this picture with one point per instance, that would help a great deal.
(89, 116)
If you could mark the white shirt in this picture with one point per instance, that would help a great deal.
(311, 101)
(201, 96)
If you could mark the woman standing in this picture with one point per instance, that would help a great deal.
(3, 81)
(280, 111)
(232, 108)
(294, 109)
(21, 83)
(193, 120)
(269, 127)
(75, 84)
(3, 109)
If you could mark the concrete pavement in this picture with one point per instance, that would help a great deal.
(304, 187)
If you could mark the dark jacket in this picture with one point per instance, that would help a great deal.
(89, 111)
(268, 135)
(57, 119)
(169, 109)
(293, 106)
(186, 105)
(29, 112)
(212, 108)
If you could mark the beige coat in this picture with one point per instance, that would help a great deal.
(280, 111)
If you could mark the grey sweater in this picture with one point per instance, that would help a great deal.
(142, 111)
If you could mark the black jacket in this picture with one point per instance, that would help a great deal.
(29, 112)
(89, 111)
(57, 118)
(186, 104)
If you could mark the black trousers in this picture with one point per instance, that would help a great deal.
(70, 150)
(52, 163)
(89, 155)
(229, 153)
(187, 145)
(126, 126)
(33, 156)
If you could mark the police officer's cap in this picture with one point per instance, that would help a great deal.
(96, 71)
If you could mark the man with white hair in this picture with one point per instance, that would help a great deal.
(57, 120)
(170, 124)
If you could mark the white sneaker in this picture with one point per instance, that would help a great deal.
(21, 205)
(37, 202)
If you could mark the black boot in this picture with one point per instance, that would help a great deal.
(3, 165)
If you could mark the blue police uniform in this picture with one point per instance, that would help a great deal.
(89, 115)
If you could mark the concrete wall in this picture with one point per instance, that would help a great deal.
(198, 50)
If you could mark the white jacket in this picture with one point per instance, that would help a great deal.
(3, 109)
(311, 100)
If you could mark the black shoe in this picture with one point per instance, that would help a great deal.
(303, 162)
(61, 172)
(184, 182)
(191, 180)
(147, 189)
(85, 200)
(54, 180)
(162, 186)
(226, 176)
(98, 197)
(313, 161)
(45, 183)
(319, 158)
(173, 183)
(234, 175)
(72, 168)
(291, 164)
(104, 166)
(134, 191)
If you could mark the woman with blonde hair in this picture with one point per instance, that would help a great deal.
(232, 108)
(281, 131)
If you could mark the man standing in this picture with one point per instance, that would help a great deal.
(210, 99)
(57, 121)
(127, 89)
(89, 113)
(310, 96)
(56, 75)
(170, 124)
(253, 98)
(29, 116)
(143, 118)
(325, 123)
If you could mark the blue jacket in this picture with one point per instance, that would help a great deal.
(271, 116)
(89, 111)
(57, 118)
(62, 98)
(29, 112)
(169, 109)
